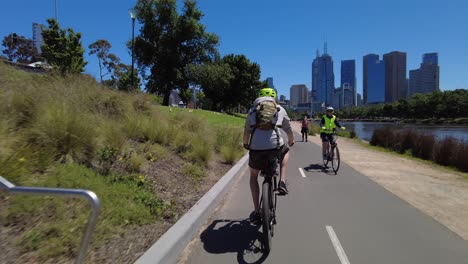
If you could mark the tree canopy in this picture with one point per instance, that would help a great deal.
(19, 49)
(62, 49)
(168, 43)
(439, 104)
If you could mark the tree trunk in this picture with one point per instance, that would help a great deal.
(166, 97)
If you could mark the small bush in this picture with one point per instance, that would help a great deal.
(134, 162)
(201, 151)
(133, 126)
(190, 122)
(141, 103)
(154, 152)
(352, 134)
(230, 154)
(108, 104)
(423, 146)
(65, 131)
(314, 129)
(406, 139)
(111, 134)
(445, 150)
(23, 108)
(460, 157)
(194, 171)
(383, 137)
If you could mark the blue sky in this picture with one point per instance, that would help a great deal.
(283, 36)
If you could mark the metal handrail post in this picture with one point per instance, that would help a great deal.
(78, 193)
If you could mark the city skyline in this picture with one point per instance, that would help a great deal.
(288, 62)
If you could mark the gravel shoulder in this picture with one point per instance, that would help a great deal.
(435, 190)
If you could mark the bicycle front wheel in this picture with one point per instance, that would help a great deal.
(335, 159)
(266, 216)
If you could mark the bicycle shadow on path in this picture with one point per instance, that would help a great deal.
(224, 236)
(319, 168)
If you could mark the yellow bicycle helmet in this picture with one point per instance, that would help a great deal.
(267, 92)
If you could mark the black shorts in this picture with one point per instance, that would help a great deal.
(304, 130)
(328, 137)
(258, 159)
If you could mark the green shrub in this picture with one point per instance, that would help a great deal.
(231, 154)
(314, 129)
(154, 152)
(181, 141)
(108, 104)
(61, 221)
(23, 107)
(194, 171)
(201, 151)
(111, 134)
(133, 126)
(134, 162)
(65, 131)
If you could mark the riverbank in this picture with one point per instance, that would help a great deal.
(435, 190)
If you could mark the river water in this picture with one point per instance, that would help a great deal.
(364, 130)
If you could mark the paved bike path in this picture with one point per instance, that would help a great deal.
(326, 218)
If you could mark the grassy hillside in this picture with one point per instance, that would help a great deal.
(75, 133)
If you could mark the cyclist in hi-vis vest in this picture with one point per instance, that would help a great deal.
(328, 126)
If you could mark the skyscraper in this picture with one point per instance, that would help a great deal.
(373, 79)
(270, 82)
(431, 58)
(395, 76)
(323, 80)
(298, 94)
(426, 78)
(348, 82)
(37, 36)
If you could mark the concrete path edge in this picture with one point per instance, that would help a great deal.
(170, 245)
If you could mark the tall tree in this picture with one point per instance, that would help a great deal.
(108, 61)
(215, 80)
(19, 49)
(62, 49)
(169, 42)
(246, 81)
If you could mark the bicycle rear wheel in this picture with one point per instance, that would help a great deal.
(335, 159)
(266, 216)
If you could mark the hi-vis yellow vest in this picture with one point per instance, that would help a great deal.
(329, 124)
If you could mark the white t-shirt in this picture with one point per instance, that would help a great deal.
(266, 139)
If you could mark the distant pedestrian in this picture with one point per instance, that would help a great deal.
(305, 128)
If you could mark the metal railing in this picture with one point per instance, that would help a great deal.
(78, 193)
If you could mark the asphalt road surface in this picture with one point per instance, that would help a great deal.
(326, 218)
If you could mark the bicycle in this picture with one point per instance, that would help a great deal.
(333, 155)
(268, 201)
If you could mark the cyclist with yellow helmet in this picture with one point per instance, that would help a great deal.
(264, 143)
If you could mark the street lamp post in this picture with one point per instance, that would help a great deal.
(132, 13)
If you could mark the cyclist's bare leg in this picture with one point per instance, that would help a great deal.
(325, 148)
(284, 164)
(254, 188)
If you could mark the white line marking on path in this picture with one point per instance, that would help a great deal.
(302, 173)
(338, 248)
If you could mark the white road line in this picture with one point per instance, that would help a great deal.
(302, 172)
(338, 248)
